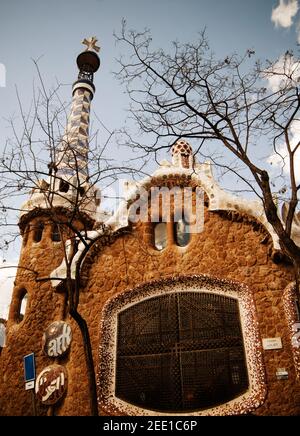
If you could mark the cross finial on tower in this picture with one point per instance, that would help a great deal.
(91, 43)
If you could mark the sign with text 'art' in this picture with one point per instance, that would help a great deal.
(51, 384)
(57, 339)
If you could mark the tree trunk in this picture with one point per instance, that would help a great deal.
(88, 360)
(86, 344)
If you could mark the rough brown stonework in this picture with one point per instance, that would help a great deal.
(230, 247)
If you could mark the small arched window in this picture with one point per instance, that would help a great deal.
(160, 236)
(23, 305)
(38, 232)
(63, 186)
(18, 305)
(182, 233)
(55, 235)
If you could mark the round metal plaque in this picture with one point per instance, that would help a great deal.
(51, 384)
(57, 339)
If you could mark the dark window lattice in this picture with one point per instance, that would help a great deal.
(55, 233)
(38, 232)
(180, 352)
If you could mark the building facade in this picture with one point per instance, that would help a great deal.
(183, 320)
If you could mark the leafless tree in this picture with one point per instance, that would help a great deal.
(238, 109)
(29, 168)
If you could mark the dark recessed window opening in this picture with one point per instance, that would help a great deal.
(63, 186)
(81, 191)
(182, 233)
(160, 236)
(38, 232)
(180, 352)
(55, 235)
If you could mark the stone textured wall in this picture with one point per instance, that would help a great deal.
(43, 307)
(232, 248)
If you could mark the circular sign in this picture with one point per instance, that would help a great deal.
(51, 384)
(57, 339)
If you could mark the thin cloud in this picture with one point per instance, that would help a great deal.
(284, 73)
(282, 15)
(7, 277)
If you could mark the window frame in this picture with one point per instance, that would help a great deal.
(106, 376)
(15, 314)
(162, 333)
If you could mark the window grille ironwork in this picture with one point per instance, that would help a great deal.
(180, 352)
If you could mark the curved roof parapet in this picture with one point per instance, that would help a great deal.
(201, 175)
(67, 195)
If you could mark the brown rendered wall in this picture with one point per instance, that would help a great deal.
(43, 306)
(229, 248)
(226, 249)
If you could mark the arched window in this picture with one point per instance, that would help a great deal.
(18, 305)
(182, 233)
(160, 236)
(23, 305)
(38, 232)
(63, 186)
(180, 352)
(55, 234)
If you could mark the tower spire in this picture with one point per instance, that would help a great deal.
(68, 174)
(72, 156)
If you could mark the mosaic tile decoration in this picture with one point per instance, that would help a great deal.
(244, 404)
(182, 154)
(73, 152)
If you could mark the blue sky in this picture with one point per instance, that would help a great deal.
(53, 31)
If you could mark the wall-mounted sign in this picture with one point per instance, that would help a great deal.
(51, 384)
(29, 385)
(282, 374)
(57, 339)
(272, 343)
(29, 367)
